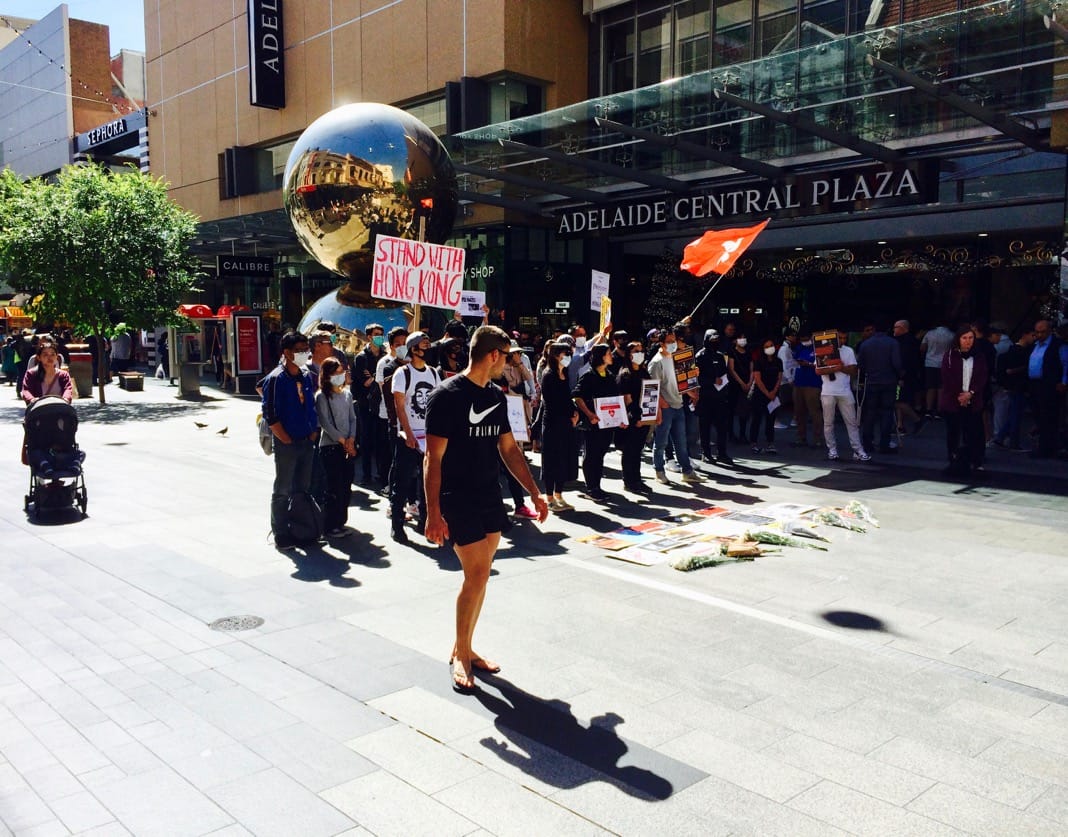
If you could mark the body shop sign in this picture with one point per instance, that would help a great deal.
(266, 49)
(418, 272)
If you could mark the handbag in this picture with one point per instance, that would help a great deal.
(266, 436)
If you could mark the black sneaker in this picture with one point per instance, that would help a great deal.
(597, 495)
(283, 543)
(399, 535)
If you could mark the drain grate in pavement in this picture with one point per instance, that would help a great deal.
(236, 623)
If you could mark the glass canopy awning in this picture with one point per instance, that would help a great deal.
(983, 77)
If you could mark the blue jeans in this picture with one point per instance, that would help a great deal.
(673, 425)
(292, 475)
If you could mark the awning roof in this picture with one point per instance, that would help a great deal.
(958, 80)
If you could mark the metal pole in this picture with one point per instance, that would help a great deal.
(702, 302)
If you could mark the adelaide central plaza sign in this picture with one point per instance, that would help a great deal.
(809, 194)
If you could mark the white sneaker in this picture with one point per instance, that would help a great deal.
(412, 509)
(672, 465)
(861, 456)
(662, 477)
(832, 454)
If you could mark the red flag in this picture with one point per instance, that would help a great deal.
(718, 250)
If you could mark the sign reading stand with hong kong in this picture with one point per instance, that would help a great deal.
(418, 272)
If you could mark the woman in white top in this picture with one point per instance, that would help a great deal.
(337, 445)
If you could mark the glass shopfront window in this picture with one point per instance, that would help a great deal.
(693, 37)
(654, 47)
(619, 57)
(734, 27)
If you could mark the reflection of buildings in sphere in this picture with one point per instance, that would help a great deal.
(364, 170)
(351, 315)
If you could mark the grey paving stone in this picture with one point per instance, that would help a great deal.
(721, 721)
(268, 678)
(1035, 761)
(980, 815)
(428, 765)
(111, 829)
(504, 808)
(385, 805)
(160, 802)
(311, 757)
(239, 712)
(430, 714)
(866, 775)
(1052, 805)
(998, 784)
(53, 828)
(81, 811)
(218, 765)
(271, 803)
(860, 814)
(754, 771)
(334, 713)
(51, 782)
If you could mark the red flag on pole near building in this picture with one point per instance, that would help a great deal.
(718, 250)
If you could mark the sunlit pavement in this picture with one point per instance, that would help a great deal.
(913, 679)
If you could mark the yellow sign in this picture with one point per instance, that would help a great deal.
(606, 312)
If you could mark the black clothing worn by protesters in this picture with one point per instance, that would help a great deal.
(713, 410)
(632, 438)
(879, 360)
(367, 395)
(594, 384)
(559, 441)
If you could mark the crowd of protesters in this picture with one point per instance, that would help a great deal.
(886, 382)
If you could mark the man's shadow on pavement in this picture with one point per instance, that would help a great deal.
(359, 549)
(524, 718)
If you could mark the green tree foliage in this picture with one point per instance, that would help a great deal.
(94, 243)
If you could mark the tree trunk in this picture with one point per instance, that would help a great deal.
(101, 364)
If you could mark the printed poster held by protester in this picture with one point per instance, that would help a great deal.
(649, 402)
(611, 411)
(685, 369)
(517, 417)
(826, 347)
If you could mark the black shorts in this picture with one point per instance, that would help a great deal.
(473, 515)
(932, 377)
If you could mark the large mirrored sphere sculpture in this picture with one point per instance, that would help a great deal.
(365, 170)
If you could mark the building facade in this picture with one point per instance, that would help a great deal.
(58, 96)
(909, 155)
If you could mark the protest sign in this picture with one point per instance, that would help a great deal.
(517, 417)
(649, 402)
(827, 351)
(417, 272)
(606, 312)
(685, 369)
(611, 412)
(599, 283)
(471, 303)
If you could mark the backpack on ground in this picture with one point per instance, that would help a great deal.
(304, 518)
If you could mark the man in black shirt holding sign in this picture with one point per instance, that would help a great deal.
(467, 436)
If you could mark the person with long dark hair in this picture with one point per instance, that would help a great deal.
(595, 383)
(337, 445)
(740, 385)
(964, 379)
(46, 378)
(633, 437)
(767, 378)
(559, 448)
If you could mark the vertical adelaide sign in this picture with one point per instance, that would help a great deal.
(266, 49)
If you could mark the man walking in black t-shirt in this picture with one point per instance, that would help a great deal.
(467, 437)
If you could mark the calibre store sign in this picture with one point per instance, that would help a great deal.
(266, 48)
(864, 188)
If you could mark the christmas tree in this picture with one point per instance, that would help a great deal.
(670, 293)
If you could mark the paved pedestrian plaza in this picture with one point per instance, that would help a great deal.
(909, 680)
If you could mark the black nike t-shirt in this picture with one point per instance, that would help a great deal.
(472, 418)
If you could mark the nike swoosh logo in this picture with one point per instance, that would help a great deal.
(476, 418)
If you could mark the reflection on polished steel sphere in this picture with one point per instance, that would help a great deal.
(360, 171)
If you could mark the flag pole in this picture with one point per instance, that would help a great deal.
(702, 302)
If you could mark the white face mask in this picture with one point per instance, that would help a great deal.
(806, 343)
(741, 342)
(565, 361)
(671, 347)
(637, 357)
(769, 351)
(580, 342)
(301, 358)
(338, 380)
(402, 352)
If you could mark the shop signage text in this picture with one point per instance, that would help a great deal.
(805, 195)
(266, 47)
(245, 266)
(115, 128)
(124, 126)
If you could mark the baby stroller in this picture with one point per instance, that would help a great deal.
(56, 479)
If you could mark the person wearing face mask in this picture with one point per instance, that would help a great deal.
(740, 372)
(393, 356)
(673, 421)
(559, 446)
(713, 410)
(367, 397)
(595, 383)
(767, 379)
(412, 385)
(288, 407)
(632, 439)
(337, 445)
(807, 383)
(836, 393)
(450, 357)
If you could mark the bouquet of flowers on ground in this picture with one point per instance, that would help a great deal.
(858, 509)
(768, 537)
(833, 517)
